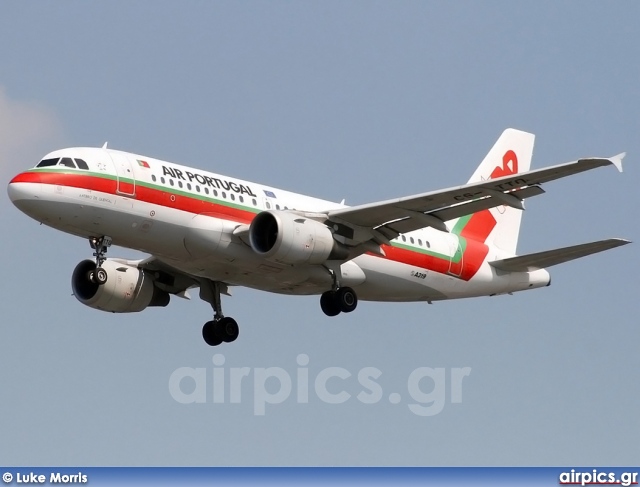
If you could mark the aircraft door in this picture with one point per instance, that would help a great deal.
(124, 173)
(456, 262)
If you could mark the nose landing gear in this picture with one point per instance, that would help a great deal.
(100, 245)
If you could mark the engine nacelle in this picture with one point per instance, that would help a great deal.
(291, 239)
(127, 290)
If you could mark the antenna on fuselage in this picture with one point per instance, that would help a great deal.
(105, 145)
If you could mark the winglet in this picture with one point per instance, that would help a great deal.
(105, 145)
(617, 160)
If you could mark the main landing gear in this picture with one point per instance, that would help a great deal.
(334, 302)
(100, 245)
(221, 328)
(339, 299)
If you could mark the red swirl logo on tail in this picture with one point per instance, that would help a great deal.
(481, 224)
(509, 166)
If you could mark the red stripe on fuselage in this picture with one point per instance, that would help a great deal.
(143, 193)
(471, 261)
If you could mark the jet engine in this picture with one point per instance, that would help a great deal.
(291, 239)
(127, 290)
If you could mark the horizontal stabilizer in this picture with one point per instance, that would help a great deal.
(540, 260)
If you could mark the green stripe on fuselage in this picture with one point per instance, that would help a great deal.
(156, 187)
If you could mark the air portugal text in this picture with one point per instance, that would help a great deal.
(207, 180)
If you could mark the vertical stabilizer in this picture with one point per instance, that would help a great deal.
(500, 226)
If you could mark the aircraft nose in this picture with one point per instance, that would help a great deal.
(24, 187)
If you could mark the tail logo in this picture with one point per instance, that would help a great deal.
(509, 166)
(479, 225)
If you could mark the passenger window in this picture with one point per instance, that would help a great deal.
(255, 203)
(162, 180)
(420, 242)
(48, 162)
(404, 239)
(197, 188)
(81, 164)
(67, 161)
(206, 190)
(171, 182)
(411, 239)
(189, 186)
(232, 196)
(241, 199)
(428, 244)
(277, 206)
(180, 183)
(215, 192)
(153, 178)
(268, 205)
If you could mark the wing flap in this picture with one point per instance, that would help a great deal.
(463, 209)
(540, 260)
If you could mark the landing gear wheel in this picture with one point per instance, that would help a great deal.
(346, 299)
(329, 303)
(229, 329)
(211, 333)
(100, 276)
(221, 329)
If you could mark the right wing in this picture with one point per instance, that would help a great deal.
(385, 220)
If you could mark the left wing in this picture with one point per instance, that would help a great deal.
(385, 220)
(164, 276)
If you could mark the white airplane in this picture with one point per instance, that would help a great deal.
(212, 232)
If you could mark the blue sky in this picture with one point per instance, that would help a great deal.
(356, 100)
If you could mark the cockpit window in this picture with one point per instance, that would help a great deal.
(81, 164)
(67, 161)
(48, 162)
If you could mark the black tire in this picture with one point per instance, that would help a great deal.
(329, 303)
(100, 276)
(228, 329)
(346, 299)
(211, 333)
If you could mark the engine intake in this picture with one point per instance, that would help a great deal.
(291, 239)
(127, 290)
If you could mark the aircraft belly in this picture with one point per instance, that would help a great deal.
(393, 281)
(235, 262)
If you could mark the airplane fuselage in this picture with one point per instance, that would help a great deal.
(187, 218)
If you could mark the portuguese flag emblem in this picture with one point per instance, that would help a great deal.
(143, 164)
